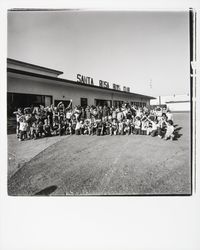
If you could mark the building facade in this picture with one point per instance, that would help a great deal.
(175, 103)
(29, 84)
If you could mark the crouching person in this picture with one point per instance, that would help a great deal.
(169, 131)
(100, 128)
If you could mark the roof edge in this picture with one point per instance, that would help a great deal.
(21, 63)
(73, 82)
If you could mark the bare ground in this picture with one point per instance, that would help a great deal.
(105, 165)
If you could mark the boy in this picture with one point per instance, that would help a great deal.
(100, 128)
(68, 128)
(55, 128)
(170, 131)
(127, 127)
(22, 128)
(137, 125)
(39, 129)
(121, 128)
(114, 127)
(46, 128)
(107, 127)
(155, 126)
(78, 128)
(144, 126)
(18, 114)
(169, 115)
(87, 127)
(93, 127)
(33, 129)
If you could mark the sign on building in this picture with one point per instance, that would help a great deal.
(85, 79)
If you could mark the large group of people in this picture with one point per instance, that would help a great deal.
(38, 122)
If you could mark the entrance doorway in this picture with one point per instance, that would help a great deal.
(84, 102)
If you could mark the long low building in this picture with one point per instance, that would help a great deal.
(176, 103)
(29, 84)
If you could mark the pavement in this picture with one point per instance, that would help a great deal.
(102, 165)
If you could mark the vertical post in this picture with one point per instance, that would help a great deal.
(192, 19)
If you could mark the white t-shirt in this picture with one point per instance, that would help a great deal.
(154, 126)
(170, 130)
(169, 116)
(78, 125)
(23, 126)
(68, 115)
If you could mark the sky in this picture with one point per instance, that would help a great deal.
(144, 50)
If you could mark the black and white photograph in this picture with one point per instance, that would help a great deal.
(99, 102)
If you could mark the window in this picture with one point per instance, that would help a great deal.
(99, 102)
(17, 100)
(66, 103)
(117, 103)
(84, 102)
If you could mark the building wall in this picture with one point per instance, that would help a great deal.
(65, 91)
(164, 99)
(178, 102)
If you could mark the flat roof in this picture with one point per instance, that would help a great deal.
(33, 66)
(21, 72)
(177, 101)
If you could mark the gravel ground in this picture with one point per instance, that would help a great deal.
(105, 165)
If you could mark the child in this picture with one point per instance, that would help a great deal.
(22, 128)
(85, 128)
(148, 127)
(114, 127)
(88, 113)
(88, 126)
(169, 115)
(55, 115)
(81, 127)
(33, 129)
(46, 128)
(62, 127)
(55, 128)
(73, 125)
(28, 118)
(68, 128)
(121, 128)
(155, 126)
(127, 127)
(68, 114)
(39, 130)
(132, 124)
(120, 115)
(107, 127)
(18, 114)
(137, 125)
(170, 131)
(144, 126)
(93, 127)
(100, 127)
(78, 128)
